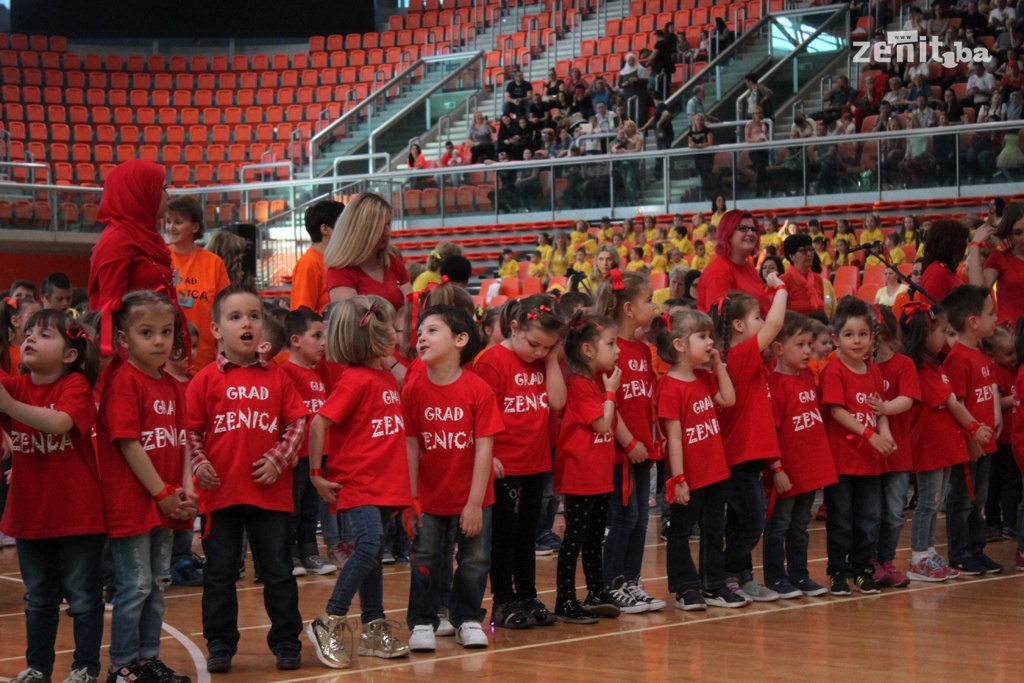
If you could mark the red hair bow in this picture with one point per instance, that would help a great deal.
(667, 319)
(76, 332)
(878, 312)
(364, 321)
(11, 301)
(615, 275)
(444, 280)
(919, 307)
(719, 303)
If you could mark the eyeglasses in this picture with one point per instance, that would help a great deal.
(804, 250)
(747, 228)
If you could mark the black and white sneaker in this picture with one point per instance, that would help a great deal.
(990, 565)
(810, 588)
(691, 601)
(838, 585)
(623, 598)
(642, 596)
(723, 597)
(866, 584)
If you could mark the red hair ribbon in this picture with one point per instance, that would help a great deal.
(667, 319)
(414, 299)
(364, 321)
(534, 315)
(544, 309)
(878, 312)
(107, 315)
(444, 280)
(615, 275)
(915, 307)
(11, 301)
(719, 303)
(76, 332)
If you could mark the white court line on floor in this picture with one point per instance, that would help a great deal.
(202, 675)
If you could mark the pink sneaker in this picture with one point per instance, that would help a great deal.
(880, 574)
(896, 577)
(927, 570)
(950, 571)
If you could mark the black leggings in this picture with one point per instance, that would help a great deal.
(514, 537)
(585, 519)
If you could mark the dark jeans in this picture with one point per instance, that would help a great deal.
(307, 508)
(585, 517)
(548, 502)
(853, 513)
(965, 524)
(1004, 490)
(627, 534)
(269, 533)
(427, 571)
(62, 568)
(707, 506)
(513, 537)
(893, 488)
(362, 572)
(744, 520)
(181, 546)
(785, 539)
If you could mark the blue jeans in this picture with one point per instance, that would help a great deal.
(965, 523)
(931, 486)
(785, 539)
(54, 569)
(141, 563)
(429, 554)
(853, 511)
(707, 506)
(893, 491)
(362, 572)
(744, 520)
(624, 546)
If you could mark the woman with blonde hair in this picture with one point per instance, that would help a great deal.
(432, 274)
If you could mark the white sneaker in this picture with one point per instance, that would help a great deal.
(317, 565)
(79, 676)
(31, 676)
(297, 568)
(733, 584)
(640, 595)
(6, 541)
(471, 636)
(759, 592)
(444, 626)
(422, 638)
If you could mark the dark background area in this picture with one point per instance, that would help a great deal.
(191, 18)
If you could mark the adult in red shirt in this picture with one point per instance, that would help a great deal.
(806, 288)
(943, 251)
(731, 269)
(1003, 268)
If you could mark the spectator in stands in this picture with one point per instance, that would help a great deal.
(943, 145)
(621, 115)
(700, 137)
(721, 38)
(575, 80)
(417, 161)
(432, 273)
(893, 152)
(1004, 269)
(538, 111)
(528, 187)
(954, 110)
(695, 105)
(980, 85)
(886, 296)
(457, 269)
(916, 21)
(661, 62)
(925, 115)
(770, 263)
(452, 156)
(939, 22)
(562, 104)
(943, 252)
(1010, 158)
(998, 15)
(480, 140)
(633, 79)
(602, 121)
(581, 108)
(836, 100)
(995, 108)
(600, 93)
(664, 133)
(1012, 79)
(919, 86)
(896, 96)
(309, 277)
(757, 131)
(917, 164)
(973, 20)
(1013, 109)
(552, 86)
(629, 142)
(731, 270)
(801, 128)
(518, 93)
(506, 133)
(758, 95)
(806, 287)
(823, 163)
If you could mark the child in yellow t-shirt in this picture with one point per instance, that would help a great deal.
(509, 267)
(650, 228)
(537, 268)
(659, 264)
(641, 242)
(872, 231)
(581, 264)
(675, 258)
(700, 226)
(874, 257)
(843, 255)
(619, 247)
(823, 256)
(700, 258)
(606, 231)
(544, 246)
(636, 260)
(580, 233)
(681, 242)
(894, 245)
(710, 240)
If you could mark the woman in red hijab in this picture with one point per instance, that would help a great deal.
(130, 254)
(732, 269)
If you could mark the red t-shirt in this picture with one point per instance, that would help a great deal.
(806, 455)
(354, 277)
(447, 421)
(137, 406)
(843, 387)
(973, 379)
(240, 414)
(1017, 434)
(635, 396)
(55, 483)
(723, 276)
(313, 391)
(938, 440)
(692, 404)
(1009, 285)
(370, 459)
(584, 459)
(748, 429)
(938, 281)
(521, 389)
(899, 378)
(1004, 380)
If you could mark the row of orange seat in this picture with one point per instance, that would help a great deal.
(169, 117)
(39, 43)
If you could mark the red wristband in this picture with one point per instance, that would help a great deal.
(777, 469)
(781, 286)
(977, 244)
(630, 446)
(609, 396)
(670, 487)
(972, 428)
(867, 433)
(168, 490)
(316, 472)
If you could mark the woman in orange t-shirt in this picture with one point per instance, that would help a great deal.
(198, 274)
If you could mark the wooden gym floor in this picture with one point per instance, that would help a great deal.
(964, 630)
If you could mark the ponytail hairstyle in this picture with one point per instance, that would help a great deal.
(8, 310)
(439, 253)
(916, 321)
(75, 336)
(618, 288)
(727, 309)
(133, 303)
(682, 323)
(360, 330)
(488, 318)
(886, 328)
(536, 310)
(584, 328)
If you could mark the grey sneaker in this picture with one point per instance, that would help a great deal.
(31, 676)
(297, 568)
(759, 592)
(317, 565)
(327, 633)
(378, 640)
(79, 676)
(733, 584)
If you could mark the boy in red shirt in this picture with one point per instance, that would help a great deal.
(309, 278)
(304, 336)
(246, 426)
(451, 416)
(972, 314)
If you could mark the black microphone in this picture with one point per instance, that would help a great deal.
(864, 247)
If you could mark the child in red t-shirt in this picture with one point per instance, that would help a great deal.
(1017, 433)
(807, 463)
(147, 479)
(527, 381)
(246, 425)
(748, 431)
(972, 314)
(860, 442)
(584, 459)
(901, 391)
(940, 423)
(1004, 491)
(451, 416)
(686, 398)
(626, 298)
(304, 337)
(49, 414)
(368, 480)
